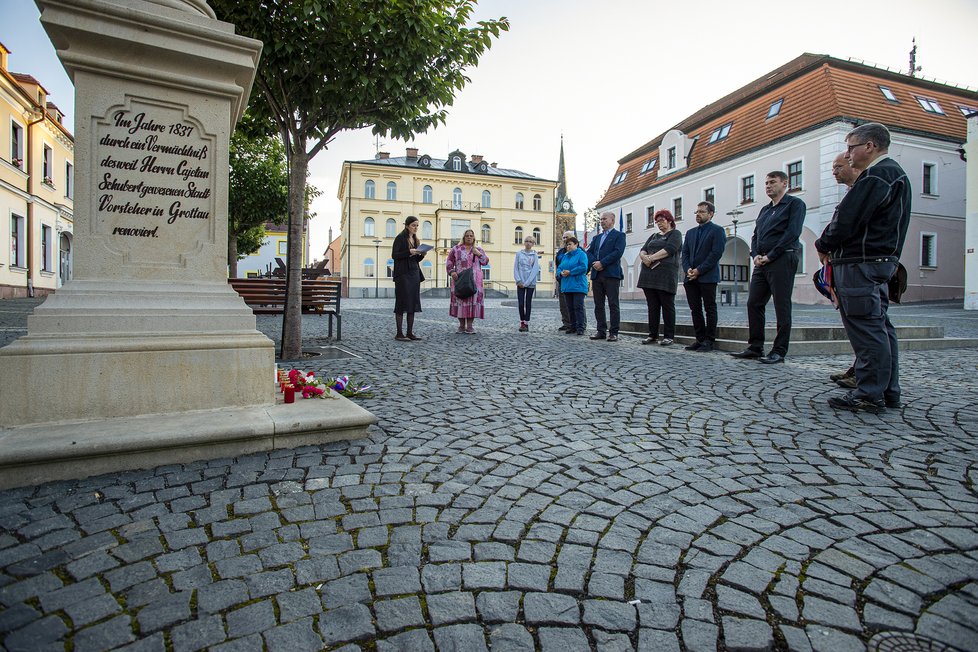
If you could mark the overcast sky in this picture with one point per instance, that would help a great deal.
(609, 76)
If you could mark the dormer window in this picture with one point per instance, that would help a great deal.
(775, 109)
(720, 132)
(649, 164)
(457, 163)
(931, 106)
(671, 157)
(967, 110)
(424, 161)
(621, 177)
(888, 94)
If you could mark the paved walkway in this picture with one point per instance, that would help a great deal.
(530, 491)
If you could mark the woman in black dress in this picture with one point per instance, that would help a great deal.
(659, 278)
(407, 278)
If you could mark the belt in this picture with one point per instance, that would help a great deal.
(866, 259)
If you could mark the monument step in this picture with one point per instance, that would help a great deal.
(799, 333)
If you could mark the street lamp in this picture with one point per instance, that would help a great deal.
(734, 214)
(377, 243)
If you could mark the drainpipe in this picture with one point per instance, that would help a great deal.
(29, 239)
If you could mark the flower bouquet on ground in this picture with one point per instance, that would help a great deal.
(348, 387)
(307, 384)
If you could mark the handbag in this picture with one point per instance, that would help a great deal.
(465, 284)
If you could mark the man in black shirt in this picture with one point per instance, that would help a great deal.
(774, 247)
(863, 243)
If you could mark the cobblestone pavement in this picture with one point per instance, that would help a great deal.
(530, 491)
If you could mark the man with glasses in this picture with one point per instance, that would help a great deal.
(774, 248)
(702, 248)
(863, 243)
(604, 255)
(565, 316)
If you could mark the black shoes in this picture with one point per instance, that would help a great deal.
(565, 328)
(848, 373)
(597, 336)
(747, 354)
(704, 347)
(772, 358)
(695, 346)
(853, 404)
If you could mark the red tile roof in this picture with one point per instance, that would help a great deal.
(816, 90)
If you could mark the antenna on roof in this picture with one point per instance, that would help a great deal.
(378, 144)
(914, 68)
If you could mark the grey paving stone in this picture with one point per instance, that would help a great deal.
(484, 575)
(826, 639)
(294, 605)
(447, 608)
(540, 552)
(270, 583)
(281, 555)
(698, 635)
(350, 623)
(359, 560)
(415, 640)
(656, 640)
(197, 634)
(460, 638)
(346, 590)
(165, 612)
(609, 615)
(605, 585)
(293, 637)
(739, 602)
(106, 635)
(498, 606)
(180, 560)
(153, 643)
(747, 635)
(816, 610)
(250, 619)
(449, 551)
(510, 638)
(316, 570)
(242, 566)
(219, 596)
(399, 580)
(570, 579)
(49, 629)
(529, 577)
(562, 639)
(17, 616)
(92, 609)
(398, 614)
(551, 608)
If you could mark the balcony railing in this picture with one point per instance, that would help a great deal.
(466, 206)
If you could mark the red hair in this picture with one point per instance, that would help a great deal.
(666, 215)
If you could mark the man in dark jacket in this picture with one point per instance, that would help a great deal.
(863, 243)
(702, 248)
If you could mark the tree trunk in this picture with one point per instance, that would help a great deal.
(233, 255)
(292, 321)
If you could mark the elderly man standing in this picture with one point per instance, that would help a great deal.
(604, 255)
(774, 249)
(845, 175)
(863, 243)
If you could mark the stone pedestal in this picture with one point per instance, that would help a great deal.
(149, 324)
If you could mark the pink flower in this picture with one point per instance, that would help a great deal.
(309, 391)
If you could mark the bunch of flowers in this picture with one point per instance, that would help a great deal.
(347, 387)
(307, 384)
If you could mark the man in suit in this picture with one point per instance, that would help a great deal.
(702, 248)
(774, 249)
(604, 256)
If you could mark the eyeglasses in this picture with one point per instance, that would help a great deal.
(849, 148)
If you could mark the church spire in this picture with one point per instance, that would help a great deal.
(561, 173)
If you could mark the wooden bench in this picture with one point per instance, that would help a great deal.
(266, 296)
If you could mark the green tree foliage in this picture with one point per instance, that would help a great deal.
(332, 65)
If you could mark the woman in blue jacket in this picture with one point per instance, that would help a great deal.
(572, 270)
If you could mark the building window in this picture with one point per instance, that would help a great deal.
(929, 105)
(457, 198)
(621, 177)
(649, 217)
(518, 235)
(928, 250)
(888, 94)
(709, 194)
(775, 108)
(368, 267)
(967, 110)
(426, 195)
(800, 269)
(536, 235)
(282, 247)
(747, 189)
(537, 202)
(459, 227)
(391, 191)
(427, 233)
(671, 158)
(677, 208)
(69, 181)
(16, 241)
(486, 199)
(391, 228)
(390, 268)
(48, 165)
(426, 268)
(519, 201)
(720, 132)
(930, 179)
(628, 222)
(369, 189)
(648, 165)
(45, 248)
(486, 272)
(486, 233)
(457, 163)
(16, 144)
(794, 176)
(368, 227)
(727, 273)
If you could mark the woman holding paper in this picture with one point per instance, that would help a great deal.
(407, 256)
(466, 255)
(659, 277)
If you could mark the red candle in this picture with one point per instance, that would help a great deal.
(289, 394)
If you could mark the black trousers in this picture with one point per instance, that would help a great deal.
(524, 297)
(776, 280)
(664, 302)
(575, 305)
(565, 317)
(606, 288)
(703, 297)
(863, 302)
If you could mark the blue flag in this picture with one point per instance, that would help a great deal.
(621, 220)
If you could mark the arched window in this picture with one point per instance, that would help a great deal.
(390, 268)
(457, 163)
(537, 202)
(369, 189)
(486, 199)
(368, 267)
(486, 233)
(426, 269)
(391, 191)
(536, 235)
(519, 200)
(391, 229)
(518, 239)
(426, 231)
(368, 227)
(486, 272)
(457, 198)
(426, 195)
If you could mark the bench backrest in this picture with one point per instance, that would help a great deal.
(272, 290)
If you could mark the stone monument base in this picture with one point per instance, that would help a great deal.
(34, 454)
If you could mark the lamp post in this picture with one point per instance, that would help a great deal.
(734, 214)
(377, 243)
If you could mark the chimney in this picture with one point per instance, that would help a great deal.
(476, 158)
(383, 156)
(412, 152)
(493, 164)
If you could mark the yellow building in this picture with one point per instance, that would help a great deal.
(275, 247)
(449, 196)
(36, 188)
